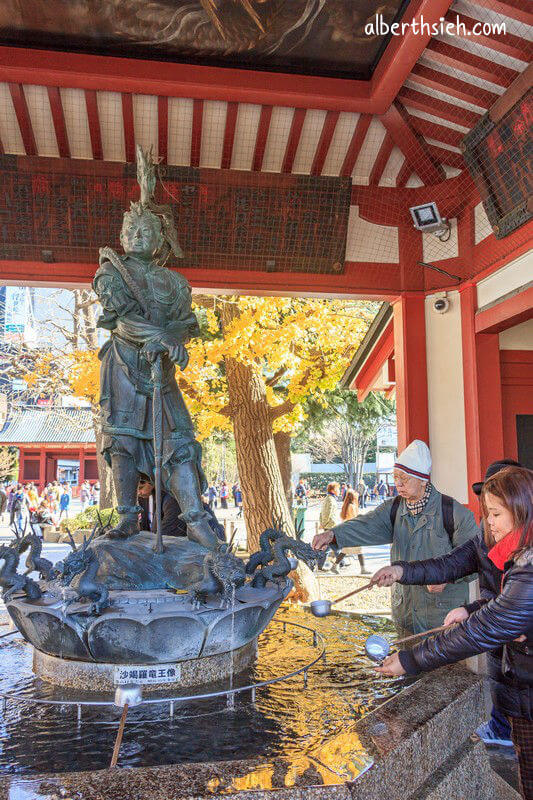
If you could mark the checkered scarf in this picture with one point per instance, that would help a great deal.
(417, 506)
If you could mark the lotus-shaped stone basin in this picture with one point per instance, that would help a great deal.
(145, 627)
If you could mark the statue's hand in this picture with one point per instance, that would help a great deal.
(152, 349)
(179, 355)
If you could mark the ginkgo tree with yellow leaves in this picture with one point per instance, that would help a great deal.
(257, 361)
(250, 372)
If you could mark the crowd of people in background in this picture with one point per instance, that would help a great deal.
(23, 502)
(219, 493)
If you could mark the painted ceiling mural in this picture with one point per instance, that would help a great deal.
(321, 37)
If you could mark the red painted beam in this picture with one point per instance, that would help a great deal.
(261, 138)
(294, 139)
(412, 145)
(94, 124)
(58, 117)
(162, 129)
(403, 51)
(328, 129)
(438, 108)
(514, 9)
(382, 158)
(129, 127)
(448, 157)
(381, 352)
(404, 174)
(506, 43)
(23, 118)
(470, 63)
(229, 135)
(137, 76)
(431, 130)
(507, 314)
(355, 145)
(454, 87)
(196, 139)
(358, 278)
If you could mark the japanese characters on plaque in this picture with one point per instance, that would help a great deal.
(142, 675)
(225, 219)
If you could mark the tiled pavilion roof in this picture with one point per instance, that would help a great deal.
(27, 425)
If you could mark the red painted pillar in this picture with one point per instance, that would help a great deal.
(482, 393)
(81, 473)
(410, 369)
(21, 464)
(42, 469)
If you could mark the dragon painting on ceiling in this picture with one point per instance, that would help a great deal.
(323, 37)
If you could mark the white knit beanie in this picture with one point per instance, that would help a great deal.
(415, 460)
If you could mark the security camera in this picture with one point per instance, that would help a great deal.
(441, 304)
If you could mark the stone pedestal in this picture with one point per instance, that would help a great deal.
(103, 677)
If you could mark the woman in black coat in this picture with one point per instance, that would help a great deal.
(504, 621)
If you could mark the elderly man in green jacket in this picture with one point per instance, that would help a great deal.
(420, 523)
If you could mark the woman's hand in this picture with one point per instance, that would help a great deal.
(456, 615)
(391, 667)
(323, 540)
(386, 576)
(436, 588)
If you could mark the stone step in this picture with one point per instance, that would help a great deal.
(502, 790)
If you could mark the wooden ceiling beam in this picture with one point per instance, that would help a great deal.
(129, 126)
(506, 43)
(354, 148)
(58, 117)
(93, 119)
(406, 170)
(432, 130)
(514, 9)
(398, 124)
(261, 138)
(23, 118)
(454, 87)
(448, 157)
(196, 138)
(162, 129)
(294, 139)
(229, 135)
(439, 108)
(382, 158)
(328, 129)
(472, 64)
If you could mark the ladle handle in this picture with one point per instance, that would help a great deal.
(350, 594)
(424, 633)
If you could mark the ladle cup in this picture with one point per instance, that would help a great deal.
(321, 608)
(378, 648)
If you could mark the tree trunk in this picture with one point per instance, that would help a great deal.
(105, 476)
(282, 442)
(264, 499)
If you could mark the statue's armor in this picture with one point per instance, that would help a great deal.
(126, 386)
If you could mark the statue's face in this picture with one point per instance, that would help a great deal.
(140, 237)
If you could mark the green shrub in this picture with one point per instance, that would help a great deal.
(86, 520)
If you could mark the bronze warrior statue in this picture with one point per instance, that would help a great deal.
(147, 308)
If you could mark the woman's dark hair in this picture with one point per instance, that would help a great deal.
(513, 486)
(350, 498)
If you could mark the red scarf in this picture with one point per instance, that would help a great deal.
(503, 550)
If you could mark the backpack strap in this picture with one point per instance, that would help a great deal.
(447, 517)
(394, 509)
